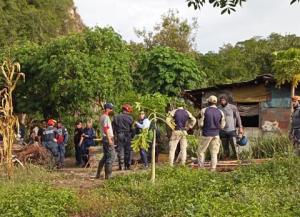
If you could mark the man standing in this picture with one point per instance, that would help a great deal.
(181, 117)
(88, 136)
(62, 140)
(108, 143)
(212, 121)
(228, 134)
(295, 128)
(49, 139)
(122, 125)
(141, 125)
(77, 137)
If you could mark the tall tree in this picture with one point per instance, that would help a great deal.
(70, 73)
(167, 71)
(171, 32)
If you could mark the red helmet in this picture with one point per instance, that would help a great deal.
(127, 108)
(51, 122)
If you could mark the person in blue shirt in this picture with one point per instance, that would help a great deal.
(142, 124)
(88, 136)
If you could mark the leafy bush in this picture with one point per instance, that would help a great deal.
(260, 190)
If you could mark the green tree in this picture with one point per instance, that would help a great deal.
(245, 60)
(226, 6)
(287, 67)
(36, 21)
(72, 73)
(167, 71)
(171, 32)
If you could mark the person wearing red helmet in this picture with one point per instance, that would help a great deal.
(122, 125)
(49, 138)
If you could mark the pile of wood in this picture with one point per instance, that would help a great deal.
(33, 153)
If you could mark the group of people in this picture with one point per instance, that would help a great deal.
(218, 124)
(119, 133)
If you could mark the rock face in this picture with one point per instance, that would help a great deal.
(37, 21)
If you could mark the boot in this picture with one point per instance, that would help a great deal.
(108, 171)
(99, 169)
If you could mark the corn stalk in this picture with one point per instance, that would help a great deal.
(9, 76)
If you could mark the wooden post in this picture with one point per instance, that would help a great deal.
(153, 151)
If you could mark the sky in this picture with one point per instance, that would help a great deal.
(255, 18)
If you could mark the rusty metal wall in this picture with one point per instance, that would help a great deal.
(280, 115)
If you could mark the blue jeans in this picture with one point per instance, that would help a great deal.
(144, 157)
(52, 146)
(61, 154)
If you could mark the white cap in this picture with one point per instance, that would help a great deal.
(212, 99)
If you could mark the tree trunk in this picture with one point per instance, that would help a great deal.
(153, 152)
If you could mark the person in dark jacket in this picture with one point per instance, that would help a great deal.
(62, 137)
(122, 125)
(77, 137)
(184, 120)
(295, 128)
(212, 121)
(89, 134)
(49, 139)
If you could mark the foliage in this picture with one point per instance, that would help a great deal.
(287, 66)
(77, 72)
(29, 194)
(226, 6)
(270, 146)
(36, 21)
(10, 75)
(167, 71)
(171, 32)
(245, 60)
(270, 189)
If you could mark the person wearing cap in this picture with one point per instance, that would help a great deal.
(295, 125)
(49, 139)
(228, 133)
(212, 121)
(62, 137)
(123, 128)
(184, 120)
(142, 124)
(107, 141)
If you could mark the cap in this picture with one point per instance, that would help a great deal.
(108, 106)
(127, 108)
(212, 99)
(51, 122)
(296, 98)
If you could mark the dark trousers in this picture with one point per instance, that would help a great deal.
(144, 157)
(228, 139)
(107, 159)
(124, 149)
(296, 143)
(78, 154)
(52, 146)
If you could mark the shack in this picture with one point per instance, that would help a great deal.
(264, 107)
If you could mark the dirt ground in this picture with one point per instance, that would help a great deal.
(84, 178)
